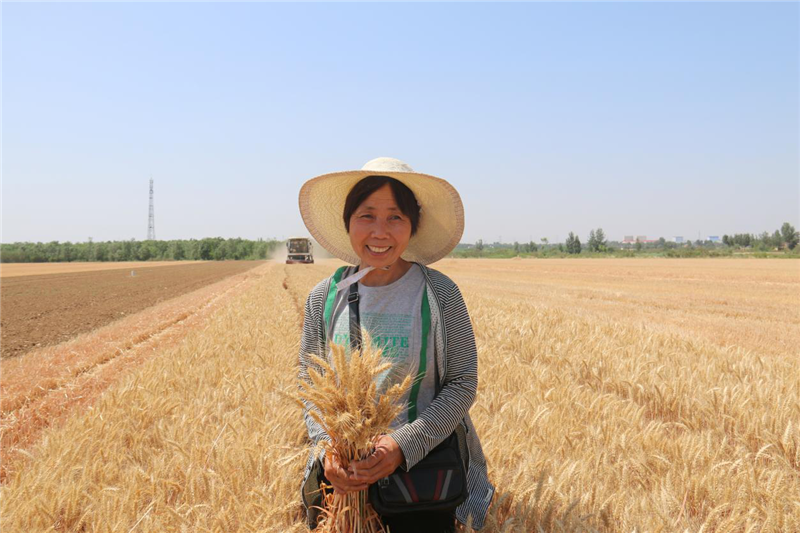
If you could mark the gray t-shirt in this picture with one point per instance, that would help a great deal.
(392, 314)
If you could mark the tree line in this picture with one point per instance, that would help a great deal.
(215, 248)
(596, 242)
(785, 238)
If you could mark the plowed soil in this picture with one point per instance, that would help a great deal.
(10, 270)
(38, 311)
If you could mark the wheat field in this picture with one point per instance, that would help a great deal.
(614, 395)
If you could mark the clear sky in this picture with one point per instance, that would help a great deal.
(648, 119)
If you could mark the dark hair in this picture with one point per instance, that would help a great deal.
(406, 201)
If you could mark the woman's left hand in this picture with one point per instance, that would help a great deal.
(383, 461)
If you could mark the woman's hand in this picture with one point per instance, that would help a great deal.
(380, 464)
(339, 478)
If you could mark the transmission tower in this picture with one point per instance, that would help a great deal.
(151, 220)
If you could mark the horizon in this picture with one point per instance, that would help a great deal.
(660, 120)
(644, 239)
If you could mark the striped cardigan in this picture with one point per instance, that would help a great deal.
(458, 371)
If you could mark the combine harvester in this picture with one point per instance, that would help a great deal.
(299, 251)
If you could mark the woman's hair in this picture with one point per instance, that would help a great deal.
(404, 197)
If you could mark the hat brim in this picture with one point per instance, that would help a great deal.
(441, 214)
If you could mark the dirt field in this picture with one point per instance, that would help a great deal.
(8, 270)
(614, 396)
(42, 310)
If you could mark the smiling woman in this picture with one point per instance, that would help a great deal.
(381, 215)
(390, 222)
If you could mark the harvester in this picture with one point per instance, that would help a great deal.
(298, 250)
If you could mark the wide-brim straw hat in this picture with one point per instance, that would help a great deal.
(441, 221)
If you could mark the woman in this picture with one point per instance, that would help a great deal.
(391, 221)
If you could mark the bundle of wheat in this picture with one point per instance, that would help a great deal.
(345, 401)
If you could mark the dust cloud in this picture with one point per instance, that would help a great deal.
(280, 253)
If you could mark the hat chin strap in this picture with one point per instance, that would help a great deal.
(354, 278)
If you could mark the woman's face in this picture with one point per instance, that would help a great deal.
(379, 231)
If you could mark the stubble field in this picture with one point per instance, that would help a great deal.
(614, 395)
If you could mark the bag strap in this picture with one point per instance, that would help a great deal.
(423, 359)
(331, 297)
(355, 344)
(355, 318)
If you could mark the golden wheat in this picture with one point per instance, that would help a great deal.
(345, 401)
(613, 396)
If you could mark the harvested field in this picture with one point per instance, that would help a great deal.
(608, 401)
(747, 303)
(9, 270)
(38, 311)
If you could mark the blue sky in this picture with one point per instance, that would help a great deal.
(648, 119)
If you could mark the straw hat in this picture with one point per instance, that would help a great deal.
(441, 221)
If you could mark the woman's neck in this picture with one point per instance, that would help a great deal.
(380, 277)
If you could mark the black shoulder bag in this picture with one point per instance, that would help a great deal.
(439, 481)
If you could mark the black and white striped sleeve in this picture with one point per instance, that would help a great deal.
(312, 343)
(460, 385)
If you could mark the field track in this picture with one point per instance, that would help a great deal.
(42, 310)
(9, 270)
(615, 395)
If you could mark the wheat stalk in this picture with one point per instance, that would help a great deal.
(354, 414)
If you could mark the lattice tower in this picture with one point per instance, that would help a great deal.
(151, 220)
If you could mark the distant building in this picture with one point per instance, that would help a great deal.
(678, 240)
(714, 238)
(629, 239)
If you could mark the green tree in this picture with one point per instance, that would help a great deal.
(146, 251)
(592, 241)
(479, 245)
(573, 244)
(177, 250)
(127, 251)
(66, 252)
(101, 252)
(600, 239)
(639, 245)
(205, 250)
(597, 241)
(516, 247)
(777, 239)
(743, 240)
(789, 235)
(161, 250)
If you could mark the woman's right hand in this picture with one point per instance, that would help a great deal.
(342, 482)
